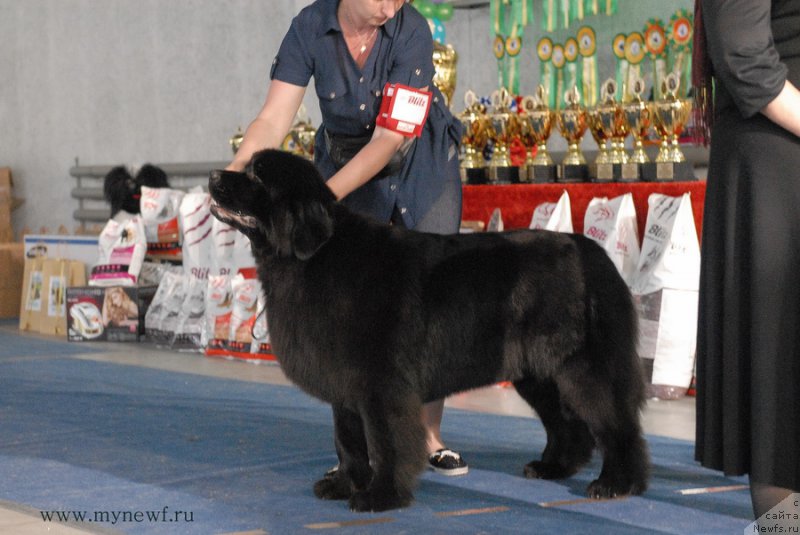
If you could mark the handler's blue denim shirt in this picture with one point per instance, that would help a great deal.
(350, 99)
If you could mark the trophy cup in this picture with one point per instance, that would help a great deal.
(670, 117)
(300, 138)
(444, 64)
(572, 122)
(538, 119)
(638, 117)
(605, 119)
(504, 125)
(236, 140)
(476, 134)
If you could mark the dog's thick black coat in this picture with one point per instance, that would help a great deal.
(376, 320)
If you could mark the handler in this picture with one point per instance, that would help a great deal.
(353, 48)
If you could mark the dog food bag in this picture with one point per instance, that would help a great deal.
(612, 224)
(160, 208)
(665, 288)
(223, 239)
(191, 317)
(217, 313)
(495, 221)
(167, 299)
(261, 348)
(243, 314)
(553, 215)
(122, 247)
(197, 224)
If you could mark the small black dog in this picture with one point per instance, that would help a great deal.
(376, 320)
(123, 192)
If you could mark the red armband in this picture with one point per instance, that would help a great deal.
(404, 109)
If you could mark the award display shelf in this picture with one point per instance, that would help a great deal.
(517, 201)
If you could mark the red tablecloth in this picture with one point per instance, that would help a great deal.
(517, 201)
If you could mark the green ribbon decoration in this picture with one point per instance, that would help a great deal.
(508, 19)
(621, 74)
(587, 47)
(679, 37)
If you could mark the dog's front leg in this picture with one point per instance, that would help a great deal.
(354, 472)
(396, 443)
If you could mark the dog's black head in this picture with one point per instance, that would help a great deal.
(123, 191)
(280, 202)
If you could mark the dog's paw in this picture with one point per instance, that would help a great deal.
(333, 487)
(366, 501)
(543, 470)
(606, 488)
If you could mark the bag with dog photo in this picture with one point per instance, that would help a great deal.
(665, 288)
(553, 215)
(160, 209)
(612, 224)
(122, 247)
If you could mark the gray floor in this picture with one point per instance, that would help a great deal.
(673, 419)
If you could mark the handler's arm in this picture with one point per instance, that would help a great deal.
(272, 124)
(366, 163)
(784, 110)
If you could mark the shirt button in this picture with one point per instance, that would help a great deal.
(333, 95)
(377, 93)
(417, 72)
(368, 127)
(361, 80)
(362, 107)
(403, 210)
(436, 99)
(393, 187)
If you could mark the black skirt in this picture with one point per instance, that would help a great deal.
(748, 346)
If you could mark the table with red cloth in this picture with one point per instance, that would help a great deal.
(517, 201)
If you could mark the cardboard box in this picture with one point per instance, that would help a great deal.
(12, 265)
(8, 204)
(110, 314)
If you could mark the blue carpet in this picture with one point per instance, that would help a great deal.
(227, 456)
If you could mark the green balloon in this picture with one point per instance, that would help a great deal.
(444, 12)
(425, 7)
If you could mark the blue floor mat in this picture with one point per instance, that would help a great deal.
(147, 451)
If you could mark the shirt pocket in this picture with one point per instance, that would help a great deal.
(335, 103)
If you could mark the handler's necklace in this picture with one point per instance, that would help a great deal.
(364, 40)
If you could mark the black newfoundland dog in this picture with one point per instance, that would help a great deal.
(377, 320)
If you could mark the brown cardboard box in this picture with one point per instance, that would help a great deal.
(12, 263)
(8, 204)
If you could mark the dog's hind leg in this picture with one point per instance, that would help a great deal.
(613, 419)
(569, 442)
(354, 472)
(396, 442)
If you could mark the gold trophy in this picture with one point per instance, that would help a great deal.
(639, 118)
(504, 125)
(572, 122)
(671, 114)
(444, 64)
(301, 137)
(236, 140)
(538, 119)
(476, 134)
(605, 119)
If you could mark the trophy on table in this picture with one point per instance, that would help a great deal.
(445, 60)
(504, 125)
(236, 140)
(639, 118)
(670, 115)
(572, 122)
(539, 119)
(476, 134)
(605, 119)
(300, 138)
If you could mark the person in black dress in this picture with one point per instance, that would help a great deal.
(748, 346)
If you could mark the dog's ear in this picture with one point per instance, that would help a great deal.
(312, 229)
(151, 176)
(120, 190)
(299, 229)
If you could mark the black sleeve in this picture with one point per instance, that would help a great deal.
(740, 44)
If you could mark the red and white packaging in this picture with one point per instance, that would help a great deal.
(404, 109)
